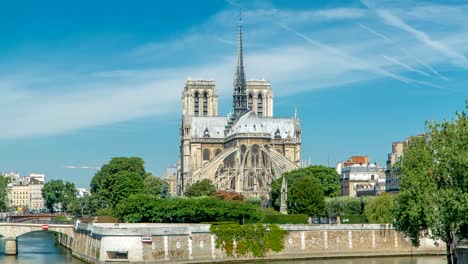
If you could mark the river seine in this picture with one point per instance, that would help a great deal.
(40, 248)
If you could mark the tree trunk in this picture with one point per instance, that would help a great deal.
(451, 246)
(449, 253)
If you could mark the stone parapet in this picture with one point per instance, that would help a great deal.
(179, 243)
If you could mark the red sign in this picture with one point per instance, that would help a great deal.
(45, 227)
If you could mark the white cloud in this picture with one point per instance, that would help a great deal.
(423, 37)
(290, 59)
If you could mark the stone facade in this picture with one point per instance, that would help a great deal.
(182, 243)
(242, 152)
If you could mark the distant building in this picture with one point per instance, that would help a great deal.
(25, 191)
(170, 176)
(81, 192)
(360, 177)
(392, 172)
(39, 177)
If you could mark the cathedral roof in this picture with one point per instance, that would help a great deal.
(213, 125)
(250, 122)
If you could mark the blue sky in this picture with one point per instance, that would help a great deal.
(83, 82)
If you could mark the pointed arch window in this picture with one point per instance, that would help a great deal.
(196, 104)
(260, 105)
(206, 154)
(250, 101)
(205, 104)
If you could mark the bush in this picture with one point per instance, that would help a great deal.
(254, 201)
(147, 208)
(286, 219)
(353, 219)
(345, 205)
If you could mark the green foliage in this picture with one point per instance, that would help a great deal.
(434, 186)
(286, 219)
(201, 188)
(62, 218)
(3, 193)
(345, 205)
(156, 186)
(149, 208)
(56, 192)
(306, 197)
(124, 184)
(103, 186)
(353, 219)
(255, 239)
(379, 209)
(254, 201)
(328, 177)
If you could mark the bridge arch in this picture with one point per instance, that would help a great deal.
(11, 231)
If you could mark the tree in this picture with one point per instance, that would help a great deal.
(56, 192)
(124, 184)
(156, 186)
(328, 178)
(305, 196)
(379, 209)
(102, 184)
(201, 188)
(3, 193)
(433, 201)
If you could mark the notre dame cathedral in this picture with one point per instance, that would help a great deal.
(243, 152)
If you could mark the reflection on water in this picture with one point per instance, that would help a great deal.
(389, 260)
(38, 248)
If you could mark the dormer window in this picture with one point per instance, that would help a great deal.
(277, 133)
(206, 133)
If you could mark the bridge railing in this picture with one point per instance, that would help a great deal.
(35, 221)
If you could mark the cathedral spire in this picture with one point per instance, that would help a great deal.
(239, 103)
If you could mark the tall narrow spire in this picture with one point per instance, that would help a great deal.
(239, 103)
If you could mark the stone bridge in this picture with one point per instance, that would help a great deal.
(11, 231)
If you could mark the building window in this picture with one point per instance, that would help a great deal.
(260, 105)
(205, 104)
(206, 154)
(250, 101)
(197, 104)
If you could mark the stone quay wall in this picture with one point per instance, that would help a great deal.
(193, 243)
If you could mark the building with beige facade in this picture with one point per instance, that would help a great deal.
(392, 171)
(25, 192)
(243, 152)
(359, 177)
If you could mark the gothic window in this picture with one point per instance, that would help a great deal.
(254, 155)
(205, 104)
(197, 104)
(250, 101)
(277, 133)
(260, 105)
(206, 154)
(250, 180)
(233, 183)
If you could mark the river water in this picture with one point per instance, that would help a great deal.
(41, 248)
(38, 248)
